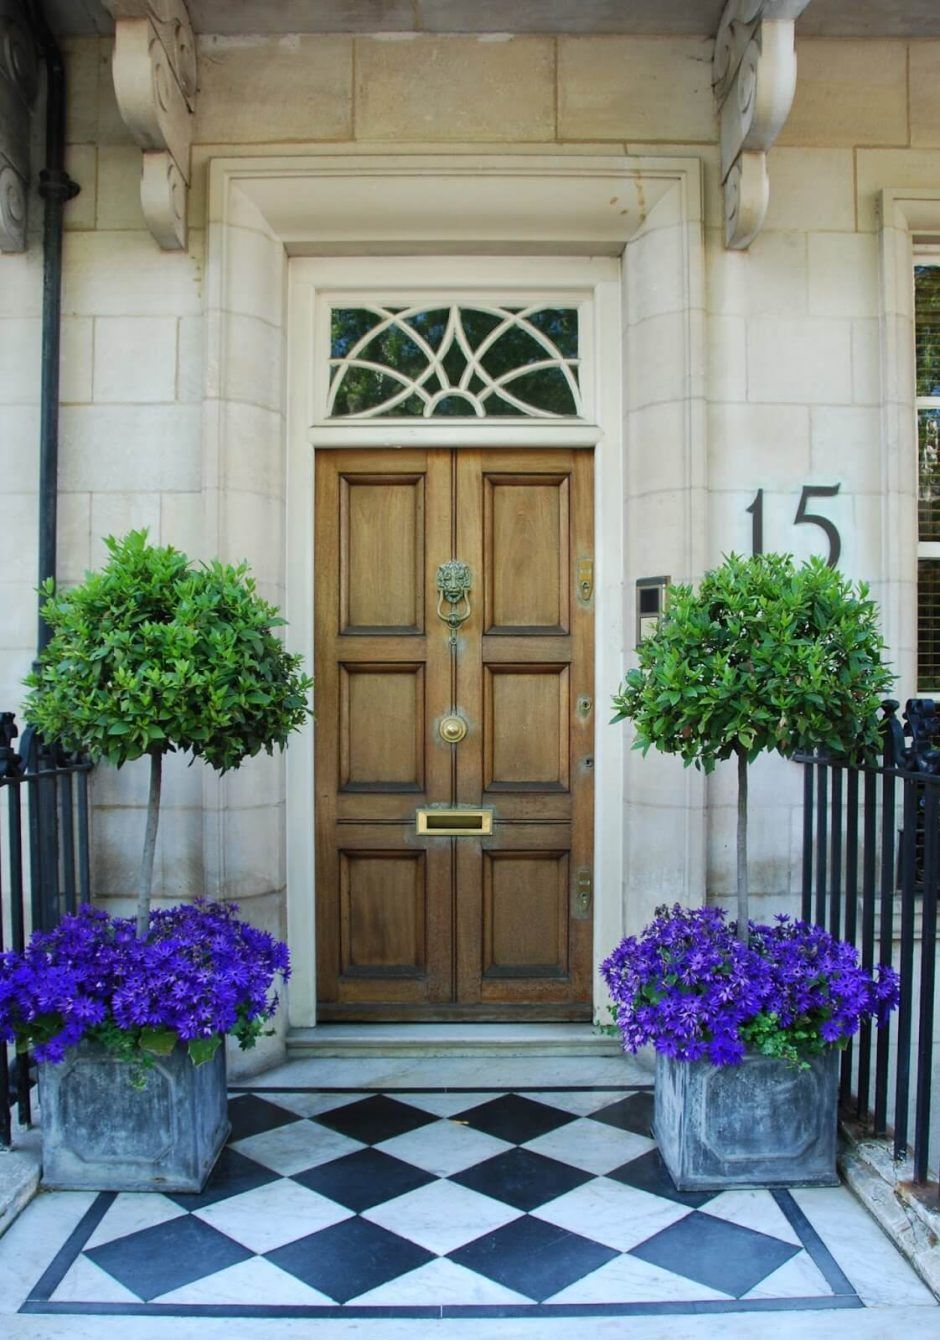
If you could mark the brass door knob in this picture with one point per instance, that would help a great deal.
(452, 729)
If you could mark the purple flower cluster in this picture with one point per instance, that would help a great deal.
(694, 991)
(199, 973)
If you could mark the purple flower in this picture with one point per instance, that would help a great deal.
(690, 988)
(199, 973)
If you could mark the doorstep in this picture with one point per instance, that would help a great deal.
(450, 1040)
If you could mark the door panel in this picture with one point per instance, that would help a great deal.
(382, 711)
(525, 913)
(525, 725)
(381, 540)
(525, 528)
(413, 926)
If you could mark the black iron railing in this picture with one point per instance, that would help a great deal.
(871, 875)
(44, 864)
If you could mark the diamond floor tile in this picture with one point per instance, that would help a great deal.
(649, 1173)
(446, 1147)
(233, 1173)
(345, 1203)
(612, 1213)
(364, 1179)
(522, 1178)
(374, 1119)
(515, 1118)
(629, 1114)
(716, 1253)
(349, 1258)
(532, 1257)
(591, 1145)
(272, 1215)
(250, 1115)
(162, 1258)
(442, 1216)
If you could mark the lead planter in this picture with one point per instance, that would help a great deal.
(99, 1133)
(762, 1123)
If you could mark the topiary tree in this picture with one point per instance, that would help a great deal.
(153, 655)
(765, 656)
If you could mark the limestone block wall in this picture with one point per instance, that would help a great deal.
(786, 389)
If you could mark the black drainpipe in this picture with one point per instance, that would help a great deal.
(55, 187)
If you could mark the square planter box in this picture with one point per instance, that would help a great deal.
(99, 1133)
(763, 1123)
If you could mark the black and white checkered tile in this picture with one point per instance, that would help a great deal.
(441, 1203)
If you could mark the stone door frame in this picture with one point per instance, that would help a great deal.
(548, 221)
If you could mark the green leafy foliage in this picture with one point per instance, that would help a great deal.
(765, 656)
(153, 654)
(765, 1035)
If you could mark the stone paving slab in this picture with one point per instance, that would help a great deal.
(453, 1197)
(447, 1205)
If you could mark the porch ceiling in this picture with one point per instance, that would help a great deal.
(823, 18)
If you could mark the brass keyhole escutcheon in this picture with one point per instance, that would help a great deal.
(452, 729)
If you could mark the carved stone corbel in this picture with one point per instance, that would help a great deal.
(19, 82)
(754, 77)
(154, 70)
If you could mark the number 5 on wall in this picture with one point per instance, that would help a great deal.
(810, 491)
(823, 522)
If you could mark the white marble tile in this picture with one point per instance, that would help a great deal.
(583, 1104)
(291, 1149)
(609, 1212)
(131, 1212)
(442, 1216)
(311, 1104)
(272, 1215)
(444, 1148)
(252, 1282)
(87, 1283)
(799, 1277)
(447, 1104)
(753, 1209)
(591, 1145)
(32, 1240)
(877, 1270)
(437, 1284)
(627, 1279)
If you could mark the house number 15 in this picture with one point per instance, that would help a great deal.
(803, 517)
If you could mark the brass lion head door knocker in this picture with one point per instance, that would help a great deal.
(453, 585)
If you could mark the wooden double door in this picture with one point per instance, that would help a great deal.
(493, 923)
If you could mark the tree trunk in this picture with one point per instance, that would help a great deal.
(742, 845)
(145, 881)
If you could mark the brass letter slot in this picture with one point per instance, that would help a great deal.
(455, 823)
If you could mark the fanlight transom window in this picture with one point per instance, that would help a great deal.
(454, 361)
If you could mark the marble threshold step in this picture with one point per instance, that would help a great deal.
(460, 1039)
